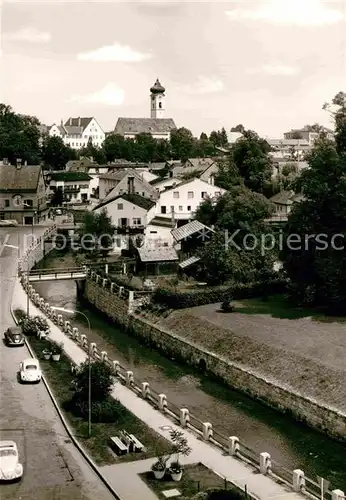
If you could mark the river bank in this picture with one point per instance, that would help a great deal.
(290, 443)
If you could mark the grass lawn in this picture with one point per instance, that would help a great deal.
(196, 478)
(278, 306)
(59, 377)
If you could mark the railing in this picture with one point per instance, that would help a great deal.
(260, 462)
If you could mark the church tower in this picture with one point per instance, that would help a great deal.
(157, 100)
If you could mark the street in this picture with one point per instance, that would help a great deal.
(53, 468)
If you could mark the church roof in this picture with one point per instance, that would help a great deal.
(144, 126)
(157, 88)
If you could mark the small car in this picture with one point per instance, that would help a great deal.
(10, 468)
(30, 371)
(14, 336)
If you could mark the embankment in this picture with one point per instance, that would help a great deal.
(253, 377)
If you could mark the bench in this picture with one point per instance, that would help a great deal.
(137, 445)
(120, 447)
(125, 437)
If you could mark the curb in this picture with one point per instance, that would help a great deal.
(66, 425)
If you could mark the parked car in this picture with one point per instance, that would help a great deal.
(10, 468)
(8, 223)
(30, 371)
(14, 336)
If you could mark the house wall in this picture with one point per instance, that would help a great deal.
(128, 211)
(76, 197)
(190, 195)
(165, 136)
(158, 236)
(93, 131)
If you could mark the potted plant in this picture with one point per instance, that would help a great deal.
(180, 447)
(57, 350)
(46, 354)
(159, 467)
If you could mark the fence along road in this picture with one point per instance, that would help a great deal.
(52, 466)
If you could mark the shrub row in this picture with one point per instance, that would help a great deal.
(180, 300)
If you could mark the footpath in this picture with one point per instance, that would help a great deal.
(124, 477)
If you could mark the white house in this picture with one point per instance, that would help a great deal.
(75, 185)
(183, 199)
(158, 232)
(127, 211)
(76, 132)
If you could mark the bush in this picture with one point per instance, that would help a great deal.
(32, 325)
(211, 295)
(107, 411)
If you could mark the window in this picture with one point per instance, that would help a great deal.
(176, 194)
(7, 203)
(190, 194)
(180, 208)
(136, 221)
(160, 105)
(120, 206)
(153, 232)
(204, 194)
(28, 203)
(189, 208)
(163, 210)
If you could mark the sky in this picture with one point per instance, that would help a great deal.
(268, 64)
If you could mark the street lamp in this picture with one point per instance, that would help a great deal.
(70, 311)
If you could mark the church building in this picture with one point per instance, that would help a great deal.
(157, 125)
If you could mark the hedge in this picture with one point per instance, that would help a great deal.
(211, 295)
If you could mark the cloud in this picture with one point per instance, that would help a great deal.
(115, 52)
(275, 70)
(110, 95)
(292, 12)
(204, 85)
(30, 35)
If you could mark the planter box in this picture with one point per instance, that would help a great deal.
(159, 474)
(56, 357)
(46, 355)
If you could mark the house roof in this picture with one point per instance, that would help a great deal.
(183, 183)
(154, 182)
(189, 262)
(144, 126)
(283, 198)
(136, 199)
(161, 222)
(200, 163)
(69, 176)
(162, 254)
(24, 179)
(114, 176)
(77, 123)
(78, 165)
(157, 88)
(184, 232)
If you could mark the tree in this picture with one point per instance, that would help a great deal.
(56, 154)
(315, 264)
(238, 128)
(19, 136)
(57, 198)
(250, 156)
(182, 144)
(91, 151)
(96, 233)
(113, 147)
(101, 381)
(235, 251)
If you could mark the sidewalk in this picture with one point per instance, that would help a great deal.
(124, 477)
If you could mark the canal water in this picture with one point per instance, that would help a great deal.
(290, 443)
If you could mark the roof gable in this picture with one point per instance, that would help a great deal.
(195, 180)
(135, 199)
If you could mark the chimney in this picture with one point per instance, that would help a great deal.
(61, 122)
(19, 163)
(79, 121)
(70, 122)
(131, 185)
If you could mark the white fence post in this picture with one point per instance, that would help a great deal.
(129, 378)
(145, 390)
(207, 431)
(298, 480)
(184, 417)
(265, 463)
(233, 445)
(162, 402)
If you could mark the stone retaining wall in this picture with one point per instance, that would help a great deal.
(285, 399)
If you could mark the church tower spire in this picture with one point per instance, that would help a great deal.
(157, 100)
